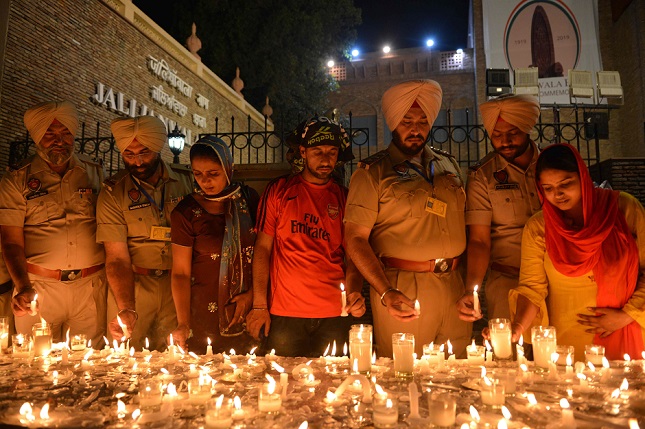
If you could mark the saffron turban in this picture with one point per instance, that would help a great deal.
(40, 117)
(397, 100)
(147, 130)
(521, 111)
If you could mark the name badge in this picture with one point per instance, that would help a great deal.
(436, 206)
(505, 186)
(160, 233)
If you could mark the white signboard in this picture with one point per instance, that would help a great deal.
(552, 35)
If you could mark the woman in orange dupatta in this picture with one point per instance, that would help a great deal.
(581, 261)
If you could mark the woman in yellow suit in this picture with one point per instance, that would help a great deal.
(583, 260)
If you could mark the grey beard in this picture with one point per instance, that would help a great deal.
(54, 158)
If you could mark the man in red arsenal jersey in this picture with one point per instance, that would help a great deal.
(299, 247)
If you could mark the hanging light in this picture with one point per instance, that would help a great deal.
(176, 141)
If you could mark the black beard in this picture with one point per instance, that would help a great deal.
(147, 172)
(409, 151)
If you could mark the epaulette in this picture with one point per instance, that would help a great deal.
(373, 159)
(181, 167)
(110, 182)
(441, 152)
(16, 167)
(89, 160)
(482, 161)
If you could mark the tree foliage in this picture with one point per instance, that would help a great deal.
(280, 46)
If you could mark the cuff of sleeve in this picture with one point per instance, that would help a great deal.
(635, 313)
(10, 217)
(478, 217)
(111, 233)
(360, 215)
(542, 317)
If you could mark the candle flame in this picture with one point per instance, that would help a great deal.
(502, 424)
(531, 398)
(44, 412)
(272, 352)
(304, 425)
(88, 354)
(564, 404)
(330, 397)
(591, 366)
(209, 340)
(569, 360)
(624, 385)
(172, 342)
(474, 414)
(521, 341)
(147, 343)
(633, 424)
(277, 367)
(120, 407)
(449, 347)
(417, 306)
(615, 394)
(193, 355)
(342, 287)
(181, 350)
(388, 403)
(115, 344)
(136, 414)
(488, 347)
(581, 376)
(219, 402)
(333, 349)
(26, 409)
(165, 371)
(345, 349)
(310, 378)
(89, 343)
(252, 352)
(554, 357)
(442, 347)
(35, 297)
(473, 346)
(379, 389)
(327, 350)
(237, 403)
(270, 379)
(524, 368)
(171, 390)
(373, 358)
(483, 371)
(131, 351)
(627, 358)
(67, 336)
(605, 362)
(506, 413)
(476, 288)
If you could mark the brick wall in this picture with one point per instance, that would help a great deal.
(624, 174)
(60, 49)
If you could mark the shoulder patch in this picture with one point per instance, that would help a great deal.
(482, 162)
(110, 182)
(373, 159)
(441, 152)
(89, 160)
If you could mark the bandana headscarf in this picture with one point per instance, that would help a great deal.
(521, 111)
(40, 117)
(605, 246)
(318, 131)
(399, 99)
(148, 130)
(235, 273)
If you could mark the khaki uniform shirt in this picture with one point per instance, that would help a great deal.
(125, 214)
(390, 198)
(57, 213)
(503, 196)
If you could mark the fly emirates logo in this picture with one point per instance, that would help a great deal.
(309, 226)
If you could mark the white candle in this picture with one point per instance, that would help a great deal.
(544, 344)
(493, 392)
(402, 350)
(284, 382)
(65, 355)
(343, 301)
(489, 351)
(568, 421)
(360, 347)
(32, 306)
(413, 392)
(269, 400)
(209, 348)
(441, 409)
(476, 305)
(220, 417)
(385, 412)
(500, 336)
(569, 368)
(417, 307)
(553, 369)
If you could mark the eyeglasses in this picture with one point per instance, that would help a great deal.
(143, 156)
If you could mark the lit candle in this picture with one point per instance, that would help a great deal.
(476, 304)
(284, 383)
(583, 380)
(219, 417)
(238, 412)
(171, 350)
(569, 368)
(568, 421)
(343, 301)
(385, 412)
(553, 369)
(268, 399)
(124, 328)
(489, 351)
(417, 307)
(65, 351)
(520, 351)
(33, 306)
(209, 348)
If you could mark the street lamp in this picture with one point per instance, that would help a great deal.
(176, 141)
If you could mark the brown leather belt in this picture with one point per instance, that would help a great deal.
(437, 266)
(506, 269)
(149, 271)
(63, 275)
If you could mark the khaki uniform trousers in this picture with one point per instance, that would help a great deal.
(496, 289)
(156, 310)
(439, 320)
(79, 305)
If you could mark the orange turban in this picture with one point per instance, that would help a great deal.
(148, 130)
(40, 117)
(522, 111)
(397, 100)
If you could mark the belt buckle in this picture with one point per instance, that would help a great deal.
(440, 265)
(69, 275)
(158, 273)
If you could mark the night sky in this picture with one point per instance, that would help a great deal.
(402, 24)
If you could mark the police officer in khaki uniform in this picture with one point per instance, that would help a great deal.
(502, 196)
(47, 213)
(134, 225)
(404, 226)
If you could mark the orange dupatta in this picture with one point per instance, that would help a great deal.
(605, 246)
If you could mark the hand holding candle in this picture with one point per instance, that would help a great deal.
(34, 306)
(343, 301)
(124, 328)
(476, 305)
